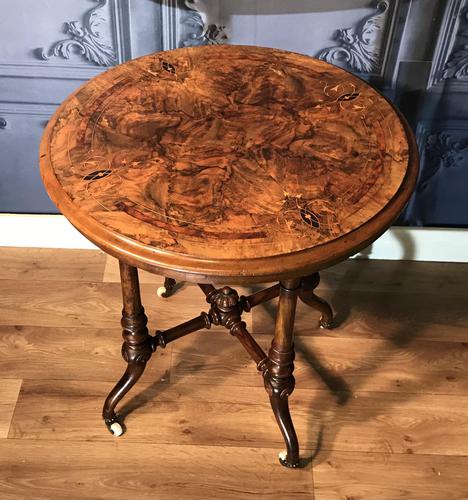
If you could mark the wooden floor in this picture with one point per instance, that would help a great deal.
(380, 406)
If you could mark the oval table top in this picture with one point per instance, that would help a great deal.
(229, 163)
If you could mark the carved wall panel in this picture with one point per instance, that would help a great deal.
(76, 36)
(46, 54)
(440, 198)
(86, 38)
(77, 39)
(20, 184)
(415, 51)
(359, 35)
(188, 23)
(361, 48)
(450, 66)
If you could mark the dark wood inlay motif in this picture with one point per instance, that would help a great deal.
(97, 174)
(168, 67)
(349, 96)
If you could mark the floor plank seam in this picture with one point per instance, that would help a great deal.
(297, 389)
(15, 408)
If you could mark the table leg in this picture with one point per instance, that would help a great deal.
(307, 295)
(136, 349)
(167, 289)
(279, 378)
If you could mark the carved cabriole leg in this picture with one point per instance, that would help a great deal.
(278, 376)
(137, 346)
(307, 295)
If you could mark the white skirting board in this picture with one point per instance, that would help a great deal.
(398, 243)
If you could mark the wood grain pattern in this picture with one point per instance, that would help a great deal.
(65, 353)
(112, 274)
(48, 264)
(403, 423)
(389, 442)
(162, 413)
(393, 276)
(374, 476)
(9, 391)
(56, 303)
(227, 154)
(343, 364)
(365, 364)
(397, 276)
(399, 317)
(82, 470)
(96, 305)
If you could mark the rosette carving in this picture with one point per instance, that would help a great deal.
(226, 309)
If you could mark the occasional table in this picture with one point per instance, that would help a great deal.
(225, 165)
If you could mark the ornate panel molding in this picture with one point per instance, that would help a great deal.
(362, 48)
(61, 68)
(443, 147)
(450, 65)
(441, 150)
(201, 24)
(170, 24)
(187, 23)
(457, 64)
(30, 109)
(55, 71)
(85, 38)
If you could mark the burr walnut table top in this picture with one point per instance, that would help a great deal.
(229, 162)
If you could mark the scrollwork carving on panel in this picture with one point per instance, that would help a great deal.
(456, 66)
(360, 48)
(201, 25)
(441, 151)
(85, 38)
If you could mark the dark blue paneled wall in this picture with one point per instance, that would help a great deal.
(414, 51)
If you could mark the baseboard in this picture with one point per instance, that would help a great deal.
(41, 231)
(398, 243)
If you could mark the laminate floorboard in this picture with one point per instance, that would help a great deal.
(119, 470)
(398, 317)
(340, 363)
(379, 476)
(380, 406)
(186, 414)
(92, 304)
(9, 391)
(70, 353)
(50, 264)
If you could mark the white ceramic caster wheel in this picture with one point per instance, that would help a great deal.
(116, 429)
(325, 326)
(283, 455)
(161, 291)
